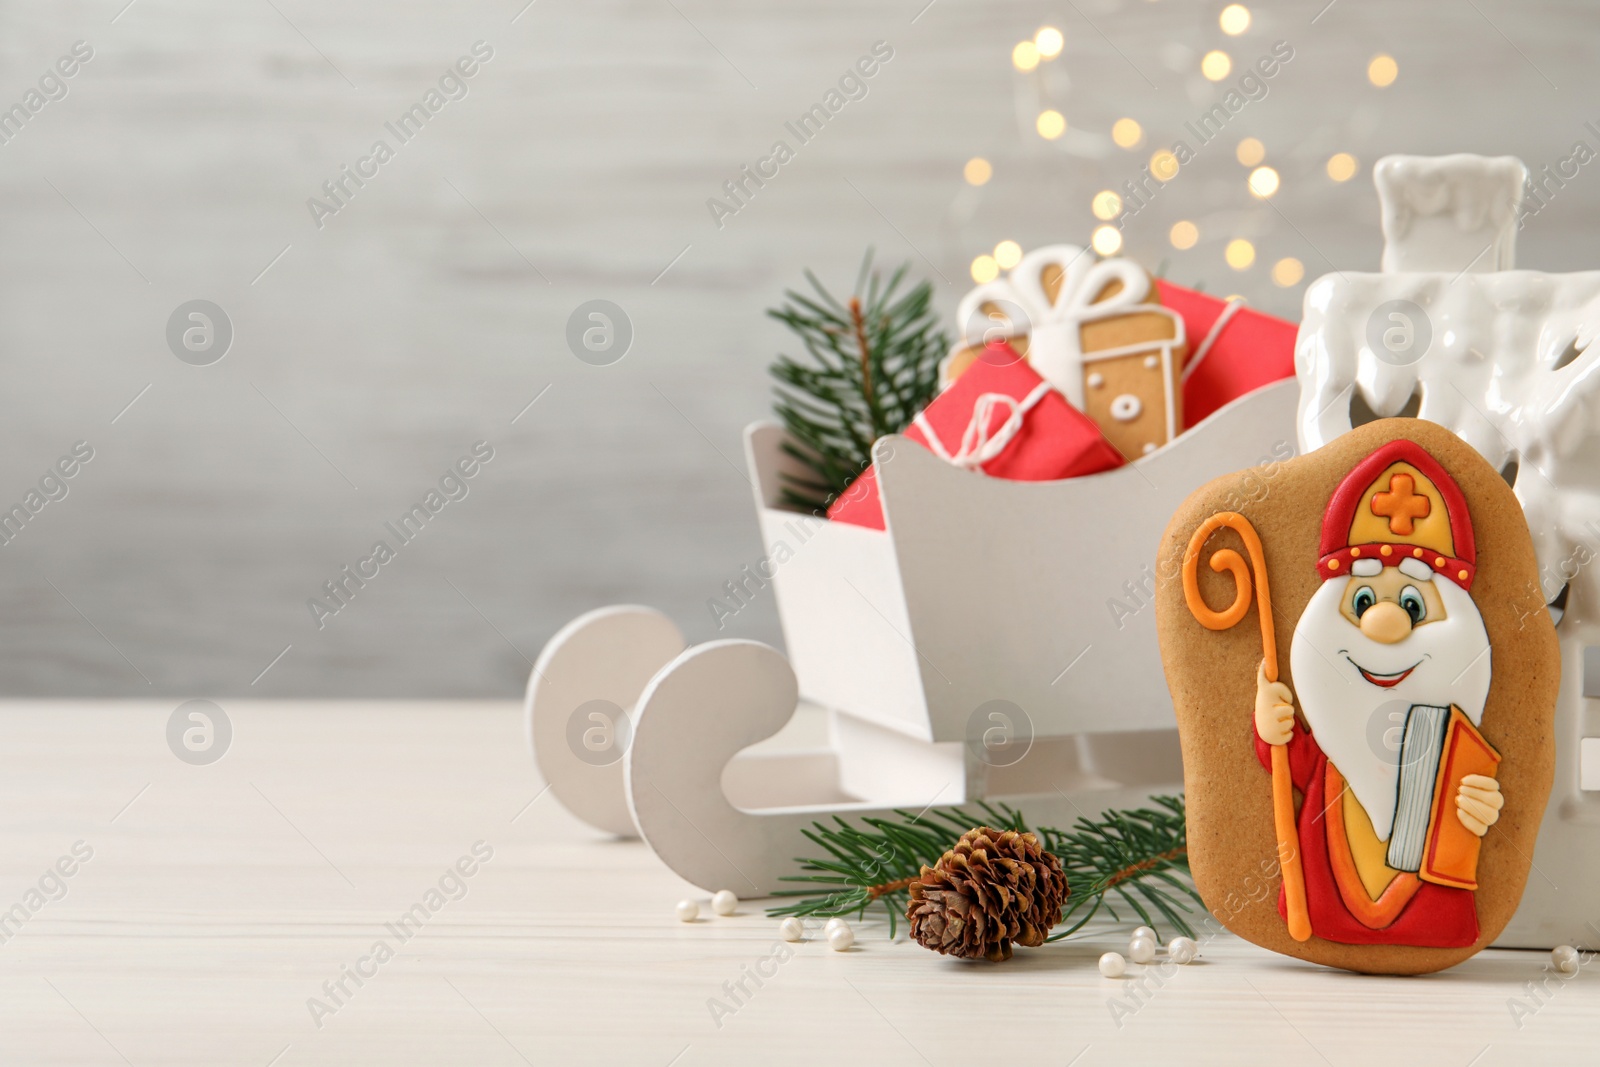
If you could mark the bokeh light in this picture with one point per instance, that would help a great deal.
(1007, 254)
(1216, 65)
(1382, 71)
(1025, 56)
(1239, 254)
(1184, 235)
(1264, 182)
(1235, 19)
(1342, 166)
(1127, 133)
(1106, 205)
(1288, 271)
(1051, 124)
(1107, 240)
(1250, 152)
(985, 269)
(1164, 165)
(1048, 41)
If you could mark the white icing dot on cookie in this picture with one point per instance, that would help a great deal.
(1126, 407)
(1096, 380)
(1151, 362)
(1149, 447)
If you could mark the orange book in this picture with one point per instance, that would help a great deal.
(1451, 856)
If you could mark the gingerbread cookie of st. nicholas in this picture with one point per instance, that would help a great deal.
(1399, 697)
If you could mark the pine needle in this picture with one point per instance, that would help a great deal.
(1137, 858)
(872, 364)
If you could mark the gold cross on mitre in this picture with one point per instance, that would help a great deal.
(1401, 504)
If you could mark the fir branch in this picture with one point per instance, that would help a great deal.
(1129, 855)
(872, 363)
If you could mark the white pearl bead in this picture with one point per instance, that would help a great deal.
(723, 902)
(791, 929)
(834, 924)
(1182, 950)
(1565, 959)
(1112, 965)
(1141, 950)
(688, 911)
(841, 937)
(1144, 932)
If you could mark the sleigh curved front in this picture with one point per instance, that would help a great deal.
(1036, 594)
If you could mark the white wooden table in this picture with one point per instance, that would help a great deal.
(219, 899)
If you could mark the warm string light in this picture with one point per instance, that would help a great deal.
(1235, 19)
(1264, 182)
(1164, 165)
(1383, 70)
(1106, 205)
(1216, 65)
(1342, 166)
(1239, 254)
(1046, 44)
(1008, 253)
(1106, 240)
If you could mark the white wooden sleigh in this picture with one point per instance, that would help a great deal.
(996, 641)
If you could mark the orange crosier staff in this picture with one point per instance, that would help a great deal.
(1226, 559)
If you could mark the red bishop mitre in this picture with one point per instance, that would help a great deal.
(1399, 504)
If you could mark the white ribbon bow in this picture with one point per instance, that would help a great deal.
(1053, 327)
(978, 446)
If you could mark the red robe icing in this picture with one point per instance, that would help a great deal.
(1436, 917)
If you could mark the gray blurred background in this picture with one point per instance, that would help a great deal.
(371, 353)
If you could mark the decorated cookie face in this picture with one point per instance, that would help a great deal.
(1365, 709)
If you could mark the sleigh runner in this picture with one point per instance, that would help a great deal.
(1030, 674)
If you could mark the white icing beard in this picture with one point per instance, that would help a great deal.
(1357, 724)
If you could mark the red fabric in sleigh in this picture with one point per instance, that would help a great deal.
(1250, 350)
(1054, 440)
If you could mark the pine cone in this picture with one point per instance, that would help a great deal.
(993, 888)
